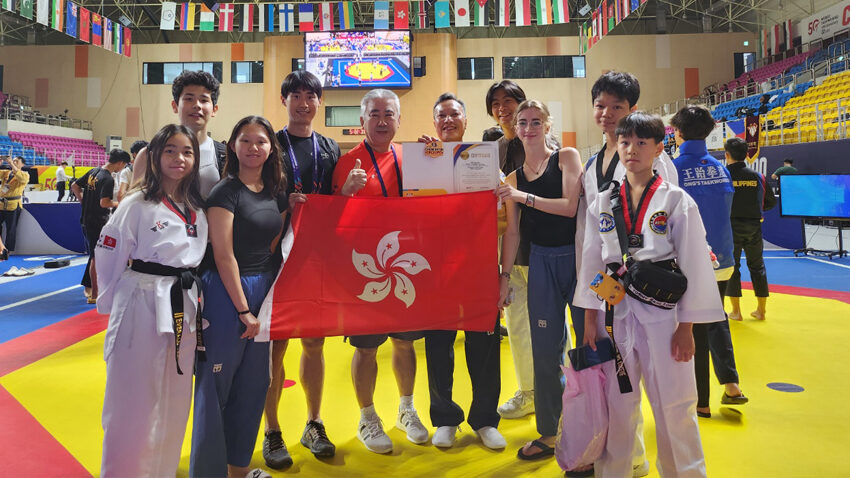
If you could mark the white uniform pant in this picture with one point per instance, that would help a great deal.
(146, 405)
(519, 329)
(671, 389)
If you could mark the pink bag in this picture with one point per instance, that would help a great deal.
(583, 429)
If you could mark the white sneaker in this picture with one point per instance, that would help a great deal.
(408, 421)
(258, 473)
(518, 406)
(491, 438)
(370, 431)
(640, 470)
(444, 437)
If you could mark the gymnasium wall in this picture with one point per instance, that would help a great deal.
(106, 89)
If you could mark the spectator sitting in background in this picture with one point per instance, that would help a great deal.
(763, 107)
(786, 168)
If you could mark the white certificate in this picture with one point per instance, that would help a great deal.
(447, 168)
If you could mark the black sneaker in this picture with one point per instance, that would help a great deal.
(275, 452)
(317, 441)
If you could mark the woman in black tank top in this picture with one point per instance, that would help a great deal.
(542, 199)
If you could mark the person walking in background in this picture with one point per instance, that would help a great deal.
(61, 180)
(752, 197)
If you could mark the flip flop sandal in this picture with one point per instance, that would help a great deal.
(545, 451)
(736, 400)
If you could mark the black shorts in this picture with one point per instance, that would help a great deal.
(375, 341)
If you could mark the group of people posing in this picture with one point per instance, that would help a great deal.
(208, 220)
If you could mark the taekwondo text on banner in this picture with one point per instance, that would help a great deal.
(379, 265)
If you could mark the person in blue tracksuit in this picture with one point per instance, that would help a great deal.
(709, 183)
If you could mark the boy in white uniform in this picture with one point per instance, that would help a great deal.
(614, 95)
(656, 344)
(151, 338)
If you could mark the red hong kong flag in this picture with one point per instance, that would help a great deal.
(379, 265)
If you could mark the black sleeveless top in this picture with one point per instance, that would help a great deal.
(542, 228)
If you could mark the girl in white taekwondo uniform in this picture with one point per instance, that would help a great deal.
(152, 305)
(657, 344)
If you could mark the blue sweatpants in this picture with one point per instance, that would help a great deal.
(551, 283)
(231, 385)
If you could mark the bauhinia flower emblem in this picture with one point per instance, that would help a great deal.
(390, 272)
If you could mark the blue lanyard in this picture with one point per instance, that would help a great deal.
(378, 170)
(296, 174)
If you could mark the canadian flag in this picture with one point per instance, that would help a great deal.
(401, 15)
(461, 13)
(378, 265)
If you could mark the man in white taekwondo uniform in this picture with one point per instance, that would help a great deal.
(146, 394)
(669, 223)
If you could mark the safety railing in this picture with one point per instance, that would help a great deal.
(22, 113)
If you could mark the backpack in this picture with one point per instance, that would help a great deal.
(220, 156)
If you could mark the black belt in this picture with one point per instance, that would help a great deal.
(186, 279)
(622, 374)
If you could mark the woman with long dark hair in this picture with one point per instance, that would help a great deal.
(152, 306)
(246, 212)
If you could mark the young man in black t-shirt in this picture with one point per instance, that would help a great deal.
(94, 191)
(309, 159)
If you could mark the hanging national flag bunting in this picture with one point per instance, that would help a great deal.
(225, 17)
(625, 8)
(441, 14)
(127, 42)
(261, 24)
(523, 13)
(634, 5)
(603, 15)
(382, 15)
(57, 14)
(461, 13)
(42, 13)
(776, 38)
(248, 17)
(346, 15)
(286, 18)
(763, 41)
(26, 9)
(71, 19)
(789, 34)
(107, 34)
(544, 12)
(9, 5)
(326, 17)
(611, 16)
(305, 17)
(187, 17)
(482, 13)
(503, 13)
(422, 14)
(167, 15)
(401, 15)
(118, 39)
(560, 11)
(96, 30)
(207, 20)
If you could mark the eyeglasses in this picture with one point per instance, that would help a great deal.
(529, 125)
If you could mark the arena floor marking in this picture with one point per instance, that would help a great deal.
(56, 375)
(42, 296)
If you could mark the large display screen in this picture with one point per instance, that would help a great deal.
(376, 59)
(815, 195)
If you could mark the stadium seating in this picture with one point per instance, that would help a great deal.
(55, 149)
(729, 110)
(769, 71)
(823, 113)
(15, 148)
